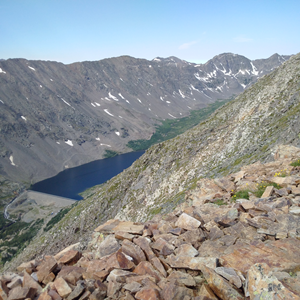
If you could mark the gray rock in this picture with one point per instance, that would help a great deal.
(230, 275)
(108, 246)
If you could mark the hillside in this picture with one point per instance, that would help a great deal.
(224, 242)
(243, 131)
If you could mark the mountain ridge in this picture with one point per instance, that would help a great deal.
(80, 110)
(243, 131)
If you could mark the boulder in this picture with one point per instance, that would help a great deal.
(29, 282)
(148, 294)
(222, 288)
(262, 284)
(108, 246)
(187, 222)
(183, 278)
(20, 293)
(192, 263)
(62, 287)
(280, 255)
(146, 268)
(186, 250)
(70, 257)
(230, 275)
(133, 251)
(45, 268)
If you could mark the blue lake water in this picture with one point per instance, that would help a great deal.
(70, 182)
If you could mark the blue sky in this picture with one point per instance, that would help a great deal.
(194, 30)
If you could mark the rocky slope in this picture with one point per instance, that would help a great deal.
(54, 116)
(243, 131)
(215, 245)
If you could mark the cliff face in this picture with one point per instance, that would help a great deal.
(246, 130)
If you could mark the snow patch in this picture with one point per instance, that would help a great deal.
(23, 118)
(51, 79)
(139, 100)
(181, 94)
(105, 145)
(31, 68)
(1, 71)
(58, 143)
(117, 133)
(11, 158)
(97, 104)
(205, 79)
(121, 96)
(112, 97)
(127, 101)
(254, 70)
(1, 101)
(41, 86)
(156, 59)
(168, 102)
(121, 79)
(171, 116)
(194, 88)
(67, 103)
(120, 117)
(106, 110)
(93, 104)
(97, 139)
(69, 142)
(150, 66)
(161, 98)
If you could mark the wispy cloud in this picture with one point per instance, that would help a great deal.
(242, 39)
(187, 45)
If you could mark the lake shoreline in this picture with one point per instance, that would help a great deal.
(71, 182)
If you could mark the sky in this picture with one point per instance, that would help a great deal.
(194, 30)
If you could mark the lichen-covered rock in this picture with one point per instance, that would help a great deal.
(262, 284)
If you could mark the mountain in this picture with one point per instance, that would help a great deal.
(243, 131)
(55, 116)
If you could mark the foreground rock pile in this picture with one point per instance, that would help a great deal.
(233, 250)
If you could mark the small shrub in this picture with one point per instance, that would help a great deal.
(295, 163)
(282, 173)
(110, 153)
(243, 194)
(56, 218)
(219, 202)
(261, 187)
